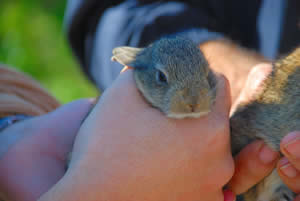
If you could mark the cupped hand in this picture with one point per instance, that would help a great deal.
(33, 151)
(127, 150)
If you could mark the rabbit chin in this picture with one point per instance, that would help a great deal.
(188, 115)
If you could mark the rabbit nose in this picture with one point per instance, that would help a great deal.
(192, 107)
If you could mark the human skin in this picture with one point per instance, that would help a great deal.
(33, 152)
(129, 159)
(231, 60)
(152, 186)
(62, 126)
(50, 155)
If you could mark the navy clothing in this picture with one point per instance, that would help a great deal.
(96, 27)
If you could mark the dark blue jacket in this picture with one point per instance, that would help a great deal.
(95, 27)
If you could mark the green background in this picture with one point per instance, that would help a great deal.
(32, 40)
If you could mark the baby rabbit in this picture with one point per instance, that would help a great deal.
(274, 113)
(173, 76)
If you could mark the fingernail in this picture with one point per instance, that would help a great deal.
(229, 195)
(291, 144)
(267, 155)
(287, 168)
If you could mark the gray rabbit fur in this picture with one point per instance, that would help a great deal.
(174, 76)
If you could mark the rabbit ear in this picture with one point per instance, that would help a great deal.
(125, 55)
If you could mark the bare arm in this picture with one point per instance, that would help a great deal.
(232, 60)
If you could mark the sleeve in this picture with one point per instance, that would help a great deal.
(80, 21)
(131, 23)
(134, 24)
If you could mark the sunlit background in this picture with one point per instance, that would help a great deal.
(32, 40)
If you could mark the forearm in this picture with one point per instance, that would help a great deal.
(231, 60)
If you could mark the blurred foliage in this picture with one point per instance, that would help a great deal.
(32, 39)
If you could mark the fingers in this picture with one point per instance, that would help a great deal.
(252, 164)
(289, 174)
(289, 166)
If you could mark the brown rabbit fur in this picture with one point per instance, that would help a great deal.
(274, 113)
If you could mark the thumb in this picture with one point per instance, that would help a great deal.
(252, 164)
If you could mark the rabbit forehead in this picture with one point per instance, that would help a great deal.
(179, 61)
(183, 72)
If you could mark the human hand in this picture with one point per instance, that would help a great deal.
(289, 166)
(256, 161)
(33, 151)
(232, 60)
(127, 150)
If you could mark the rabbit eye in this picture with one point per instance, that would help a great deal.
(161, 77)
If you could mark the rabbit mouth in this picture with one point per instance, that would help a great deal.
(188, 115)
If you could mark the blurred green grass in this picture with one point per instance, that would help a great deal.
(32, 40)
